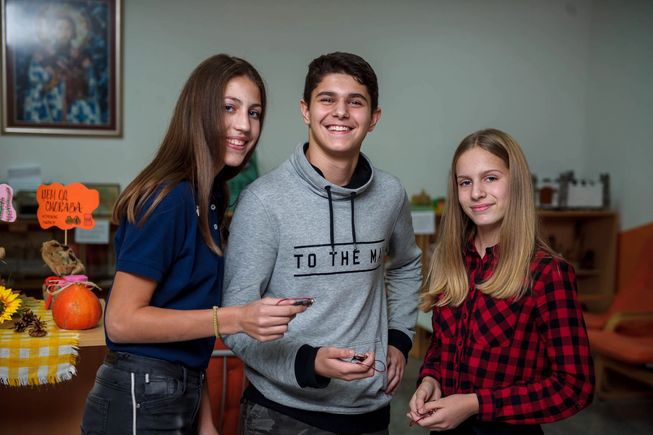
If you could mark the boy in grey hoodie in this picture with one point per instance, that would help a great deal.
(327, 225)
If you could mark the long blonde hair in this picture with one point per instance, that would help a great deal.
(447, 281)
(193, 147)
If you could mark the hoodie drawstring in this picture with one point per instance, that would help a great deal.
(353, 227)
(331, 224)
(333, 243)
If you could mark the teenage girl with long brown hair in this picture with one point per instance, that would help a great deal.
(162, 313)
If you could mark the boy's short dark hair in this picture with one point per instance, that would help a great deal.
(342, 63)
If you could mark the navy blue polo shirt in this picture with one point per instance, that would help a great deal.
(170, 250)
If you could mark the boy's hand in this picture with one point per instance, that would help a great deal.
(396, 366)
(334, 362)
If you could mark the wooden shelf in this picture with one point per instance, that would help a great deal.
(25, 270)
(580, 273)
(588, 240)
(573, 214)
(587, 297)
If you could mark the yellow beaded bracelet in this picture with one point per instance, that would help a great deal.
(216, 324)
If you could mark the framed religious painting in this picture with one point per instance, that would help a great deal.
(61, 67)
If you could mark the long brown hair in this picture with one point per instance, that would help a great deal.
(193, 147)
(447, 282)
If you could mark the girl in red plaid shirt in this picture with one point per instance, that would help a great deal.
(509, 348)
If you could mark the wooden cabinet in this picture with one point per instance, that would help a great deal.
(24, 269)
(588, 240)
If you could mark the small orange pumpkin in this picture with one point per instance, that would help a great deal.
(76, 307)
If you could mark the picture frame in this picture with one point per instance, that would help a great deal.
(109, 193)
(61, 67)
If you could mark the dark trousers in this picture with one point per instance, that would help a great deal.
(138, 395)
(475, 427)
(259, 420)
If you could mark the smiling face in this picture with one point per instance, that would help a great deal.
(242, 119)
(483, 190)
(64, 31)
(339, 116)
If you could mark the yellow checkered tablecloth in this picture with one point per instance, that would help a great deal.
(26, 360)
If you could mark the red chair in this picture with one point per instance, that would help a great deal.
(636, 296)
(226, 381)
(622, 337)
(630, 356)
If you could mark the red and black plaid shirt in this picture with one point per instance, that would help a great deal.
(528, 361)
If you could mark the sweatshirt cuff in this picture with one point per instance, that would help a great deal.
(400, 340)
(305, 368)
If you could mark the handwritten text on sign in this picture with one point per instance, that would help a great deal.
(66, 207)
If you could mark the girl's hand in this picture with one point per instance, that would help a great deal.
(429, 389)
(264, 320)
(334, 362)
(448, 412)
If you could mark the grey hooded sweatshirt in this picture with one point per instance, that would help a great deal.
(294, 234)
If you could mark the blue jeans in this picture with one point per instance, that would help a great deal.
(138, 395)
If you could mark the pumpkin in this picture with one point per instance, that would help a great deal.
(76, 307)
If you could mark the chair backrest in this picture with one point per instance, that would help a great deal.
(636, 295)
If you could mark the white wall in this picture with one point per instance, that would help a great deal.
(620, 104)
(446, 68)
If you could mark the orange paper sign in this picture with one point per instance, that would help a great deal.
(66, 207)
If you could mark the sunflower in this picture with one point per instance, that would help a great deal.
(9, 303)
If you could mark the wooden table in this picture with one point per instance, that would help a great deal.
(55, 409)
(93, 337)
